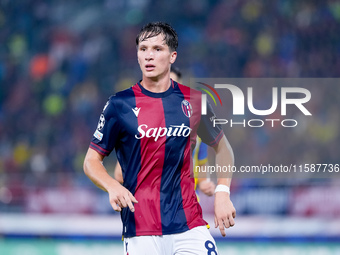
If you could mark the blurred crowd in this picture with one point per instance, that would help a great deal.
(60, 61)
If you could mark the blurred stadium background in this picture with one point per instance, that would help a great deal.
(59, 62)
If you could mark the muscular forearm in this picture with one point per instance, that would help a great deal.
(224, 158)
(95, 170)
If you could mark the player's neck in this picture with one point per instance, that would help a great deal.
(156, 85)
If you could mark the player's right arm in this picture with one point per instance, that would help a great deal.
(120, 197)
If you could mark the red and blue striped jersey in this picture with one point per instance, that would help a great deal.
(154, 135)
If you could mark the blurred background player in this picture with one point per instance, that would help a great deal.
(200, 153)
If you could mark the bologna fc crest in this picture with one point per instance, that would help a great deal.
(187, 108)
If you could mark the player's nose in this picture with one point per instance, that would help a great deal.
(149, 55)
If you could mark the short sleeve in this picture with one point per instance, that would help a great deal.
(209, 133)
(105, 136)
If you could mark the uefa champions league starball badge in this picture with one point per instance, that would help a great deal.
(101, 122)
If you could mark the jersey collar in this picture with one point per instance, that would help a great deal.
(158, 95)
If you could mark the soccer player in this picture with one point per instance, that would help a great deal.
(200, 153)
(152, 126)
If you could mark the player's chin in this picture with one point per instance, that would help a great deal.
(151, 75)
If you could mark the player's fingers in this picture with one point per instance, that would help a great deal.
(133, 199)
(129, 203)
(234, 213)
(221, 227)
(115, 204)
(226, 223)
(231, 221)
(132, 208)
(216, 224)
(116, 207)
(122, 202)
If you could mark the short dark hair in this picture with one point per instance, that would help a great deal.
(176, 71)
(155, 28)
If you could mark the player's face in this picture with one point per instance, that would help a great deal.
(155, 57)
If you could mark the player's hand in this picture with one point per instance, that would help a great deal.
(224, 212)
(207, 187)
(120, 197)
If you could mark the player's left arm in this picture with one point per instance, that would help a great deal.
(118, 173)
(224, 208)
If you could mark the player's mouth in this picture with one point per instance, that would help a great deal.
(149, 67)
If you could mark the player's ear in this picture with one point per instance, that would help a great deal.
(173, 57)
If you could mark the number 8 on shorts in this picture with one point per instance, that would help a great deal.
(210, 247)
